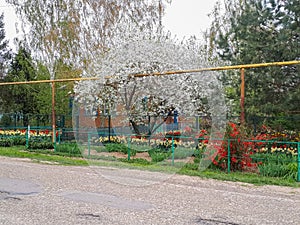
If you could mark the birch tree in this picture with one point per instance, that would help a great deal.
(77, 31)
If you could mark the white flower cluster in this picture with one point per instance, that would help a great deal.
(136, 51)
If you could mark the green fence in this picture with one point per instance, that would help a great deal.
(270, 157)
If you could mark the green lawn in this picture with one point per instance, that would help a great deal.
(44, 156)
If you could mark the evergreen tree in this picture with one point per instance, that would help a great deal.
(254, 31)
(20, 98)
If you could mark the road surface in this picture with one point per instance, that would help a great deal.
(41, 194)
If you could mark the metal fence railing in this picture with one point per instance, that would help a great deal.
(274, 158)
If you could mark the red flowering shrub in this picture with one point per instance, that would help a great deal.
(240, 150)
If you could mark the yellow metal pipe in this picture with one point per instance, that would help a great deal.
(242, 100)
(246, 66)
(49, 81)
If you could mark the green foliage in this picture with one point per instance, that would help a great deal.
(6, 142)
(136, 161)
(116, 147)
(71, 149)
(6, 120)
(158, 155)
(253, 31)
(183, 153)
(40, 144)
(274, 170)
(191, 166)
(12, 140)
(20, 98)
(19, 140)
(276, 165)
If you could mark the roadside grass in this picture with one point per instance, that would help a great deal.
(61, 158)
(39, 156)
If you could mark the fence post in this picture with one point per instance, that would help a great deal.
(173, 151)
(27, 138)
(298, 159)
(89, 144)
(228, 155)
(128, 148)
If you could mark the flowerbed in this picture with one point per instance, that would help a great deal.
(37, 139)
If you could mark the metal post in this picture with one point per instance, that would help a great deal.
(242, 96)
(298, 157)
(53, 114)
(27, 137)
(173, 151)
(89, 144)
(109, 127)
(128, 145)
(229, 156)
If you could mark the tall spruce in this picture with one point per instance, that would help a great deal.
(252, 31)
(20, 98)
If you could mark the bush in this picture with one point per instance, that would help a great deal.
(240, 151)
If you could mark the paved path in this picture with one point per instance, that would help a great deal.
(41, 194)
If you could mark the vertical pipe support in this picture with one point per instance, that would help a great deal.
(242, 101)
(53, 114)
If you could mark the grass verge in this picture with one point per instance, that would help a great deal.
(19, 152)
(61, 159)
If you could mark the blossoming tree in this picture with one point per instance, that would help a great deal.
(125, 79)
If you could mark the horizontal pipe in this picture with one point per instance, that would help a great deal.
(49, 81)
(246, 66)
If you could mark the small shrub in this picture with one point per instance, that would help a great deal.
(240, 151)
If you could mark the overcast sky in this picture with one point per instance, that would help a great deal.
(188, 17)
(183, 17)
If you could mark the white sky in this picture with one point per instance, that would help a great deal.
(183, 18)
(188, 17)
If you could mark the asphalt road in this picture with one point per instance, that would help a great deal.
(32, 193)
